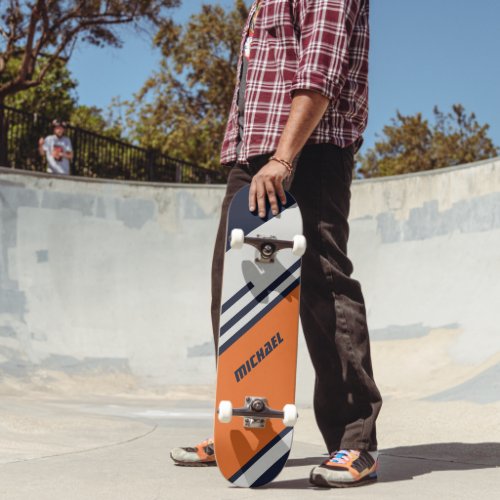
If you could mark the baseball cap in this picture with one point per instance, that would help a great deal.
(59, 123)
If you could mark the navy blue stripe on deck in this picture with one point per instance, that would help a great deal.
(261, 453)
(272, 472)
(239, 217)
(259, 298)
(255, 319)
(237, 296)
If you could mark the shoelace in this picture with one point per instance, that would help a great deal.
(207, 442)
(340, 457)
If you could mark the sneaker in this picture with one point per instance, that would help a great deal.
(346, 468)
(202, 455)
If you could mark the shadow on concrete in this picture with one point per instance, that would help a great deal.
(407, 462)
(292, 484)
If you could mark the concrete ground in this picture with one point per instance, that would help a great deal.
(56, 446)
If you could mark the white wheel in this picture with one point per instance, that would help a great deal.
(225, 412)
(290, 415)
(237, 238)
(299, 245)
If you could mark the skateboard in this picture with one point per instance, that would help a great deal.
(257, 354)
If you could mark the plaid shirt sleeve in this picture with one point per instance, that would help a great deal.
(318, 45)
(326, 29)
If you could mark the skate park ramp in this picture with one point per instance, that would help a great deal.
(113, 279)
(105, 336)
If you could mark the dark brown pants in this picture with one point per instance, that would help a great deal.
(332, 309)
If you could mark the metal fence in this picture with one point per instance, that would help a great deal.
(94, 155)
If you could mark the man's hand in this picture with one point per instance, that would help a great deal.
(268, 183)
(306, 111)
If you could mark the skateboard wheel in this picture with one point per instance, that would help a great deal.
(225, 412)
(290, 415)
(237, 238)
(299, 245)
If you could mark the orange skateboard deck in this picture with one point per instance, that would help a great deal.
(257, 355)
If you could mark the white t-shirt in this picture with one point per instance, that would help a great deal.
(54, 146)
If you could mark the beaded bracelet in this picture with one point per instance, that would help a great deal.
(287, 164)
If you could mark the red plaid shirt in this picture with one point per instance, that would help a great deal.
(319, 45)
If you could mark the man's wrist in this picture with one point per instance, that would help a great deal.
(285, 153)
(285, 163)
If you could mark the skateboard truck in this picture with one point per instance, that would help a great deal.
(267, 246)
(255, 412)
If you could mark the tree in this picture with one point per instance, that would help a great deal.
(54, 97)
(41, 33)
(412, 144)
(182, 109)
(92, 118)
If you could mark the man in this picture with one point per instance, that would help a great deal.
(300, 105)
(57, 149)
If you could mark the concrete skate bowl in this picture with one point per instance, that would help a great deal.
(105, 286)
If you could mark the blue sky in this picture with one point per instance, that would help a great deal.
(425, 53)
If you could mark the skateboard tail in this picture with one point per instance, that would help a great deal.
(267, 464)
(253, 457)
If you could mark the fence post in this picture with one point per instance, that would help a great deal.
(150, 164)
(3, 138)
(74, 166)
(178, 172)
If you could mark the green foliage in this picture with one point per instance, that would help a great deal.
(54, 97)
(412, 144)
(91, 118)
(182, 109)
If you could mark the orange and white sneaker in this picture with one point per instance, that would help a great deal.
(201, 455)
(346, 468)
